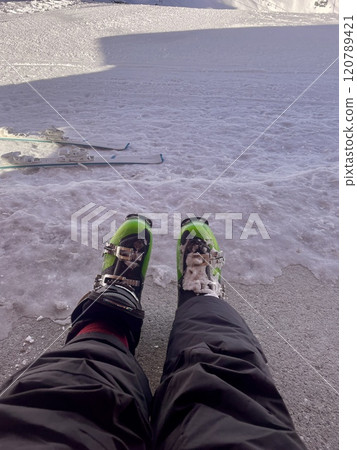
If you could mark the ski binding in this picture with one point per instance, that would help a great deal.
(76, 156)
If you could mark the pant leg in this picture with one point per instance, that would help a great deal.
(216, 391)
(91, 394)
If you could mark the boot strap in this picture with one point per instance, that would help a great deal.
(214, 259)
(122, 253)
(106, 279)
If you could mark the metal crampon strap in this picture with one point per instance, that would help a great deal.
(122, 253)
(217, 258)
(106, 279)
(214, 259)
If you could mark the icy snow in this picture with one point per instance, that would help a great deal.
(298, 6)
(246, 99)
(29, 340)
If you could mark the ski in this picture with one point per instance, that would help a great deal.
(78, 157)
(70, 143)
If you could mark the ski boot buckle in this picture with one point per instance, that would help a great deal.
(122, 253)
(106, 280)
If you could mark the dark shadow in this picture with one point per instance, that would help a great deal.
(263, 60)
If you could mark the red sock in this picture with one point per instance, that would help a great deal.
(103, 327)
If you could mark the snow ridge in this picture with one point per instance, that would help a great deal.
(279, 6)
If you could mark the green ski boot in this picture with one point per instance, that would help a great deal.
(199, 261)
(117, 290)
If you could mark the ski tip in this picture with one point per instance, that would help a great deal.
(127, 145)
(162, 158)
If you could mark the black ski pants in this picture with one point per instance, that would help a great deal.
(216, 393)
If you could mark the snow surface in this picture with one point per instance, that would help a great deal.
(282, 6)
(202, 86)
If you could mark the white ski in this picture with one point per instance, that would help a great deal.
(68, 143)
(75, 157)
